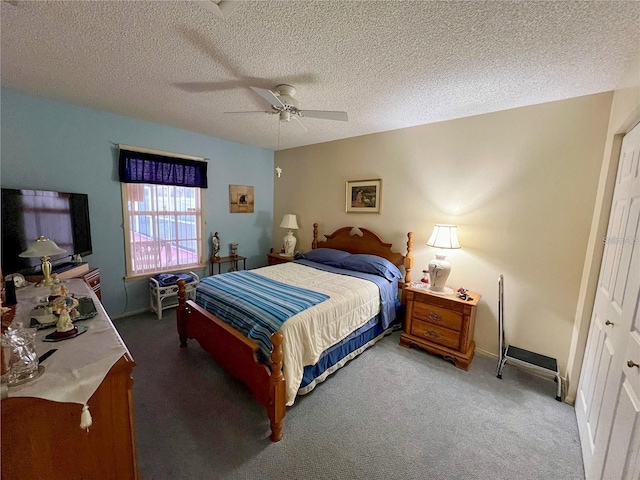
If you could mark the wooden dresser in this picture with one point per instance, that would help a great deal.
(441, 324)
(42, 439)
(92, 278)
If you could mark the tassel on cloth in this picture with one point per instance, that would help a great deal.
(85, 418)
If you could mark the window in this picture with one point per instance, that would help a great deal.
(163, 228)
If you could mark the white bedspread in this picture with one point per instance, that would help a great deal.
(353, 302)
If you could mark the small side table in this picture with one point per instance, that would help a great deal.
(235, 260)
(276, 258)
(441, 324)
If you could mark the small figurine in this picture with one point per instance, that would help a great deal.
(462, 293)
(64, 322)
(59, 304)
(59, 290)
(425, 276)
(216, 245)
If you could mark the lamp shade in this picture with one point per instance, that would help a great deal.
(289, 221)
(289, 243)
(444, 236)
(42, 247)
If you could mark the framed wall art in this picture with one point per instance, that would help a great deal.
(241, 199)
(364, 196)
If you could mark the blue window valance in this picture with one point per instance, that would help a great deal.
(142, 167)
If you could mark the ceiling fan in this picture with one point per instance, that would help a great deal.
(221, 8)
(283, 103)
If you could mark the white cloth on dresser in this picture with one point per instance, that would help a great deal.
(76, 370)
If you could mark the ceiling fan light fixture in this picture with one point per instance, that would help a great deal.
(283, 103)
(285, 116)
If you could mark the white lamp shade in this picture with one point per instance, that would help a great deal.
(289, 221)
(444, 236)
(42, 247)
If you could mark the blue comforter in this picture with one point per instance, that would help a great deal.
(258, 306)
(254, 305)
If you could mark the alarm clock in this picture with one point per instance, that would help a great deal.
(17, 279)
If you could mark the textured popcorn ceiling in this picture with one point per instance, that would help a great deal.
(388, 64)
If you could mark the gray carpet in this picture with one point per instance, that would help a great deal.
(392, 413)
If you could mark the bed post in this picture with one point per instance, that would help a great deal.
(314, 244)
(181, 312)
(408, 265)
(277, 391)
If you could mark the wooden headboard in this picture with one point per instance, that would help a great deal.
(369, 242)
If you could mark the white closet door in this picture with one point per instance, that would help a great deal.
(608, 402)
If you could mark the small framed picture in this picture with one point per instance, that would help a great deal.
(240, 199)
(364, 196)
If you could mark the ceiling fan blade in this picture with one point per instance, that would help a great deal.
(324, 114)
(252, 112)
(301, 124)
(201, 87)
(269, 96)
(221, 9)
(226, 7)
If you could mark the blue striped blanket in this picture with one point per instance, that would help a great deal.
(254, 305)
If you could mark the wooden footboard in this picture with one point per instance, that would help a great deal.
(238, 355)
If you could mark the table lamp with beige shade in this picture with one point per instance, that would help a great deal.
(289, 221)
(43, 248)
(443, 237)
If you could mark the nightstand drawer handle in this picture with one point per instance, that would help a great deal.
(436, 317)
(433, 334)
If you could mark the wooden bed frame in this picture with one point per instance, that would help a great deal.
(237, 353)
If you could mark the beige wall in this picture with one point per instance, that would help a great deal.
(520, 184)
(625, 113)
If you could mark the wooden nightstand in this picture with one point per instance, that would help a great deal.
(276, 258)
(441, 324)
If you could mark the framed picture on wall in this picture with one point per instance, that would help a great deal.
(241, 199)
(364, 196)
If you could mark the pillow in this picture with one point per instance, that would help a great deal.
(326, 256)
(362, 262)
(166, 279)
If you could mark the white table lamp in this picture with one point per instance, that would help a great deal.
(289, 221)
(43, 248)
(443, 237)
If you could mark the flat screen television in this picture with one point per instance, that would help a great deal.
(58, 216)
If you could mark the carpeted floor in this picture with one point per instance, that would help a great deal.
(392, 413)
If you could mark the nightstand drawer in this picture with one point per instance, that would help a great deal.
(435, 334)
(437, 316)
